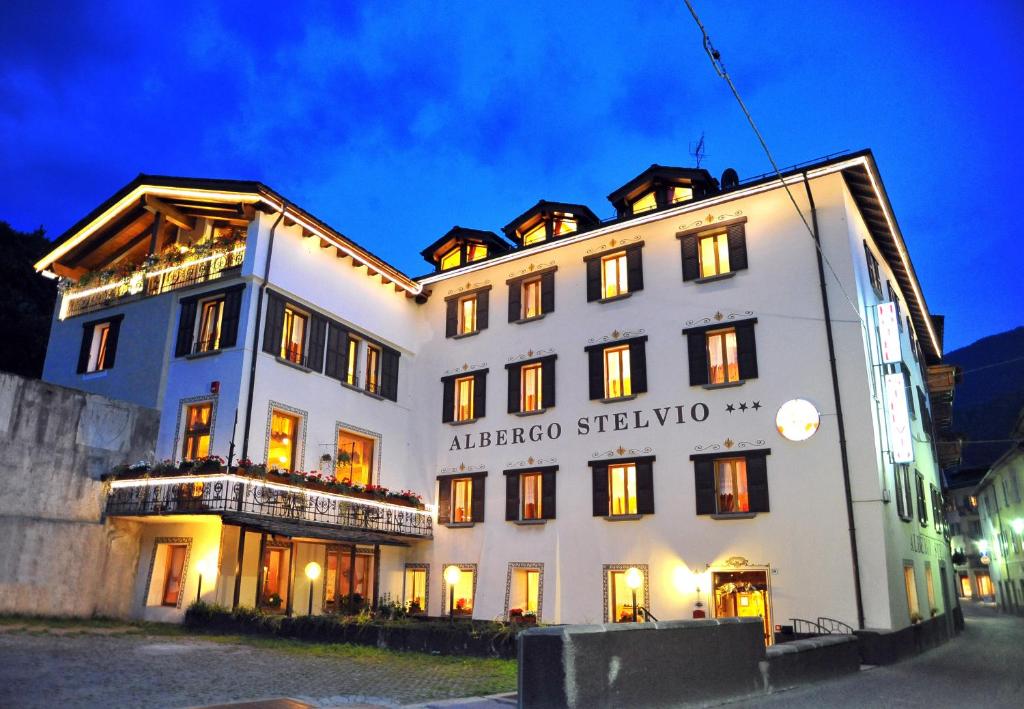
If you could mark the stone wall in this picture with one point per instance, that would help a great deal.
(57, 554)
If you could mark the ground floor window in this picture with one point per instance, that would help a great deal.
(274, 575)
(347, 575)
(965, 586)
(414, 594)
(174, 573)
(167, 570)
(930, 588)
(458, 598)
(910, 582)
(523, 591)
(743, 594)
(984, 584)
(626, 591)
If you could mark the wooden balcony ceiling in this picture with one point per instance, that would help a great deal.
(312, 531)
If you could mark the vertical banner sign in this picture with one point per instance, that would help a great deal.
(889, 333)
(900, 441)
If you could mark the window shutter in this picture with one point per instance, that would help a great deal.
(336, 349)
(451, 322)
(737, 237)
(315, 343)
(635, 269)
(746, 351)
(479, 395)
(547, 381)
(757, 482)
(186, 326)
(512, 498)
(898, 484)
(483, 300)
(229, 321)
(477, 514)
(691, 259)
(115, 330)
(515, 300)
(593, 280)
(389, 373)
(696, 343)
(547, 494)
(599, 474)
(83, 351)
(645, 487)
(444, 501)
(547, 292)
(704, 486)
(638, 366)
(448, 401)
(596, 357)
(272, 331)
(514, 383)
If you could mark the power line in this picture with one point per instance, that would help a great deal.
(994, 364)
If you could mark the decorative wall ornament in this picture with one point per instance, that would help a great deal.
(463, 468)
(530, 269)
(729, 444)
(531, 566)
(612, 243)
(466, 367)
(719, 316)
(742, 407)
(739, 562)
(469, 286)
(512, 464)
(710, 219)
(621, 451)
(616, 335)
(187, 541)
(531, 354)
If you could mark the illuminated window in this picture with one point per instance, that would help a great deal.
(197, 431)
(464, 387)
(451, 259)
(353, 358)
(679, 194)
(620, 598)
(414, 595)
(645, 203)
(530, 390)
(731, 486)
(372, 368)
(462, 500)
(173, 572)
(622, 489)
(714, 254)
(211, 316)
(530, 496)
(274, 581)
(467, 315)
(355, 458)
(463, 595)
(475, 252)
(564, 224)
(524, 591)
(99, 351)
(617, 380)
(343, 579)
(723, 364)
(929, 586)
(535, 235)
(531, 298)
(283, 432)
(614, 278)
(910, 583)
(293, 335)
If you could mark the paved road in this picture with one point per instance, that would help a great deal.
(983, 667)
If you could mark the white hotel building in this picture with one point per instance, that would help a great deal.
(571, 400)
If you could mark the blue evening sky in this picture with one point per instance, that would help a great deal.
(394, 121)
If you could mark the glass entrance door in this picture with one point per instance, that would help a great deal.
(743, 594)
(274, 570)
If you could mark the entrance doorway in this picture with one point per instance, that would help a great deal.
(348, 580)
(275, 570)
(743, 594)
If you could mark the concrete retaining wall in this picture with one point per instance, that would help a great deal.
(663, 664)
(884, 647)
(810, 660)
(57, 555)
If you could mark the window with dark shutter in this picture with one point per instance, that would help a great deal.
(593, 280)
(731, 484)
(515, 300)
(99, 344)
(873, 276)
(482, 310)
(315, 349)
(635, 269)
(444, 500)
(514, 374)
(746, 350)
(922, 509)
(230, 319)
(638, 364)
(548, 493)
(274, 328)
(596, 360)
(599, 477)
(617, 369)
(537, 500)
(737, 246)
(704, 485)
(186, 327)
(547, 292)
(710, 353)
(696, 344)
(548, 382)
(898, 485)
(511, 496)
(691, 257)
(714, 252)
(623, 487)
(645, 487)
(757, 482)
(389, 373)
(336, 363)
(451, 321)
(478, 498)
(448, 400)
(480, 394)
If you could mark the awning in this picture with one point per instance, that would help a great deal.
(311, 530)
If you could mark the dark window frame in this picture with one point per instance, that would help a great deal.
(736, 238)
(746, 351)
(706, 482)
(113, 324)
(513, 493)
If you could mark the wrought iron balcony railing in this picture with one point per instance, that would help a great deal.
(230, 493)
(142, 283)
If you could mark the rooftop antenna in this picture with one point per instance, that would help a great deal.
(697, 151)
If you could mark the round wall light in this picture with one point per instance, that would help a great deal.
(797, 420)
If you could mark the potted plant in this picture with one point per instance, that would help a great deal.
(274, 600)
(915, 618)
(529, 618)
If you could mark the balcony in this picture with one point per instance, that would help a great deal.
(238, 498)
(152, 277)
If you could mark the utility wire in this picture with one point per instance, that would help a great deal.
(989, 366)
(716, 61)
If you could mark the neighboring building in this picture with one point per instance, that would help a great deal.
(1002, 522)
(574, 401)
(965, 537)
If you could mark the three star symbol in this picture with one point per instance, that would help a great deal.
(730, 408)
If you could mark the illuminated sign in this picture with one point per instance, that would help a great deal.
(889, 333)
(901, 444)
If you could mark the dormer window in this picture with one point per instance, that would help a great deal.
(535, 235)
(461, 246)
(645, 203)
(564, 224)
(679, 194)
(545, 221)
(451, 259)
(658, 187)
(475, 252)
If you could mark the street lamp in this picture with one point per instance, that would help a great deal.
(633, 579)
(312, 573)
(205, 567)
(452, 575)
(1018, 525)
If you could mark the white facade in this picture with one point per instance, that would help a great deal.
(802, 544)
